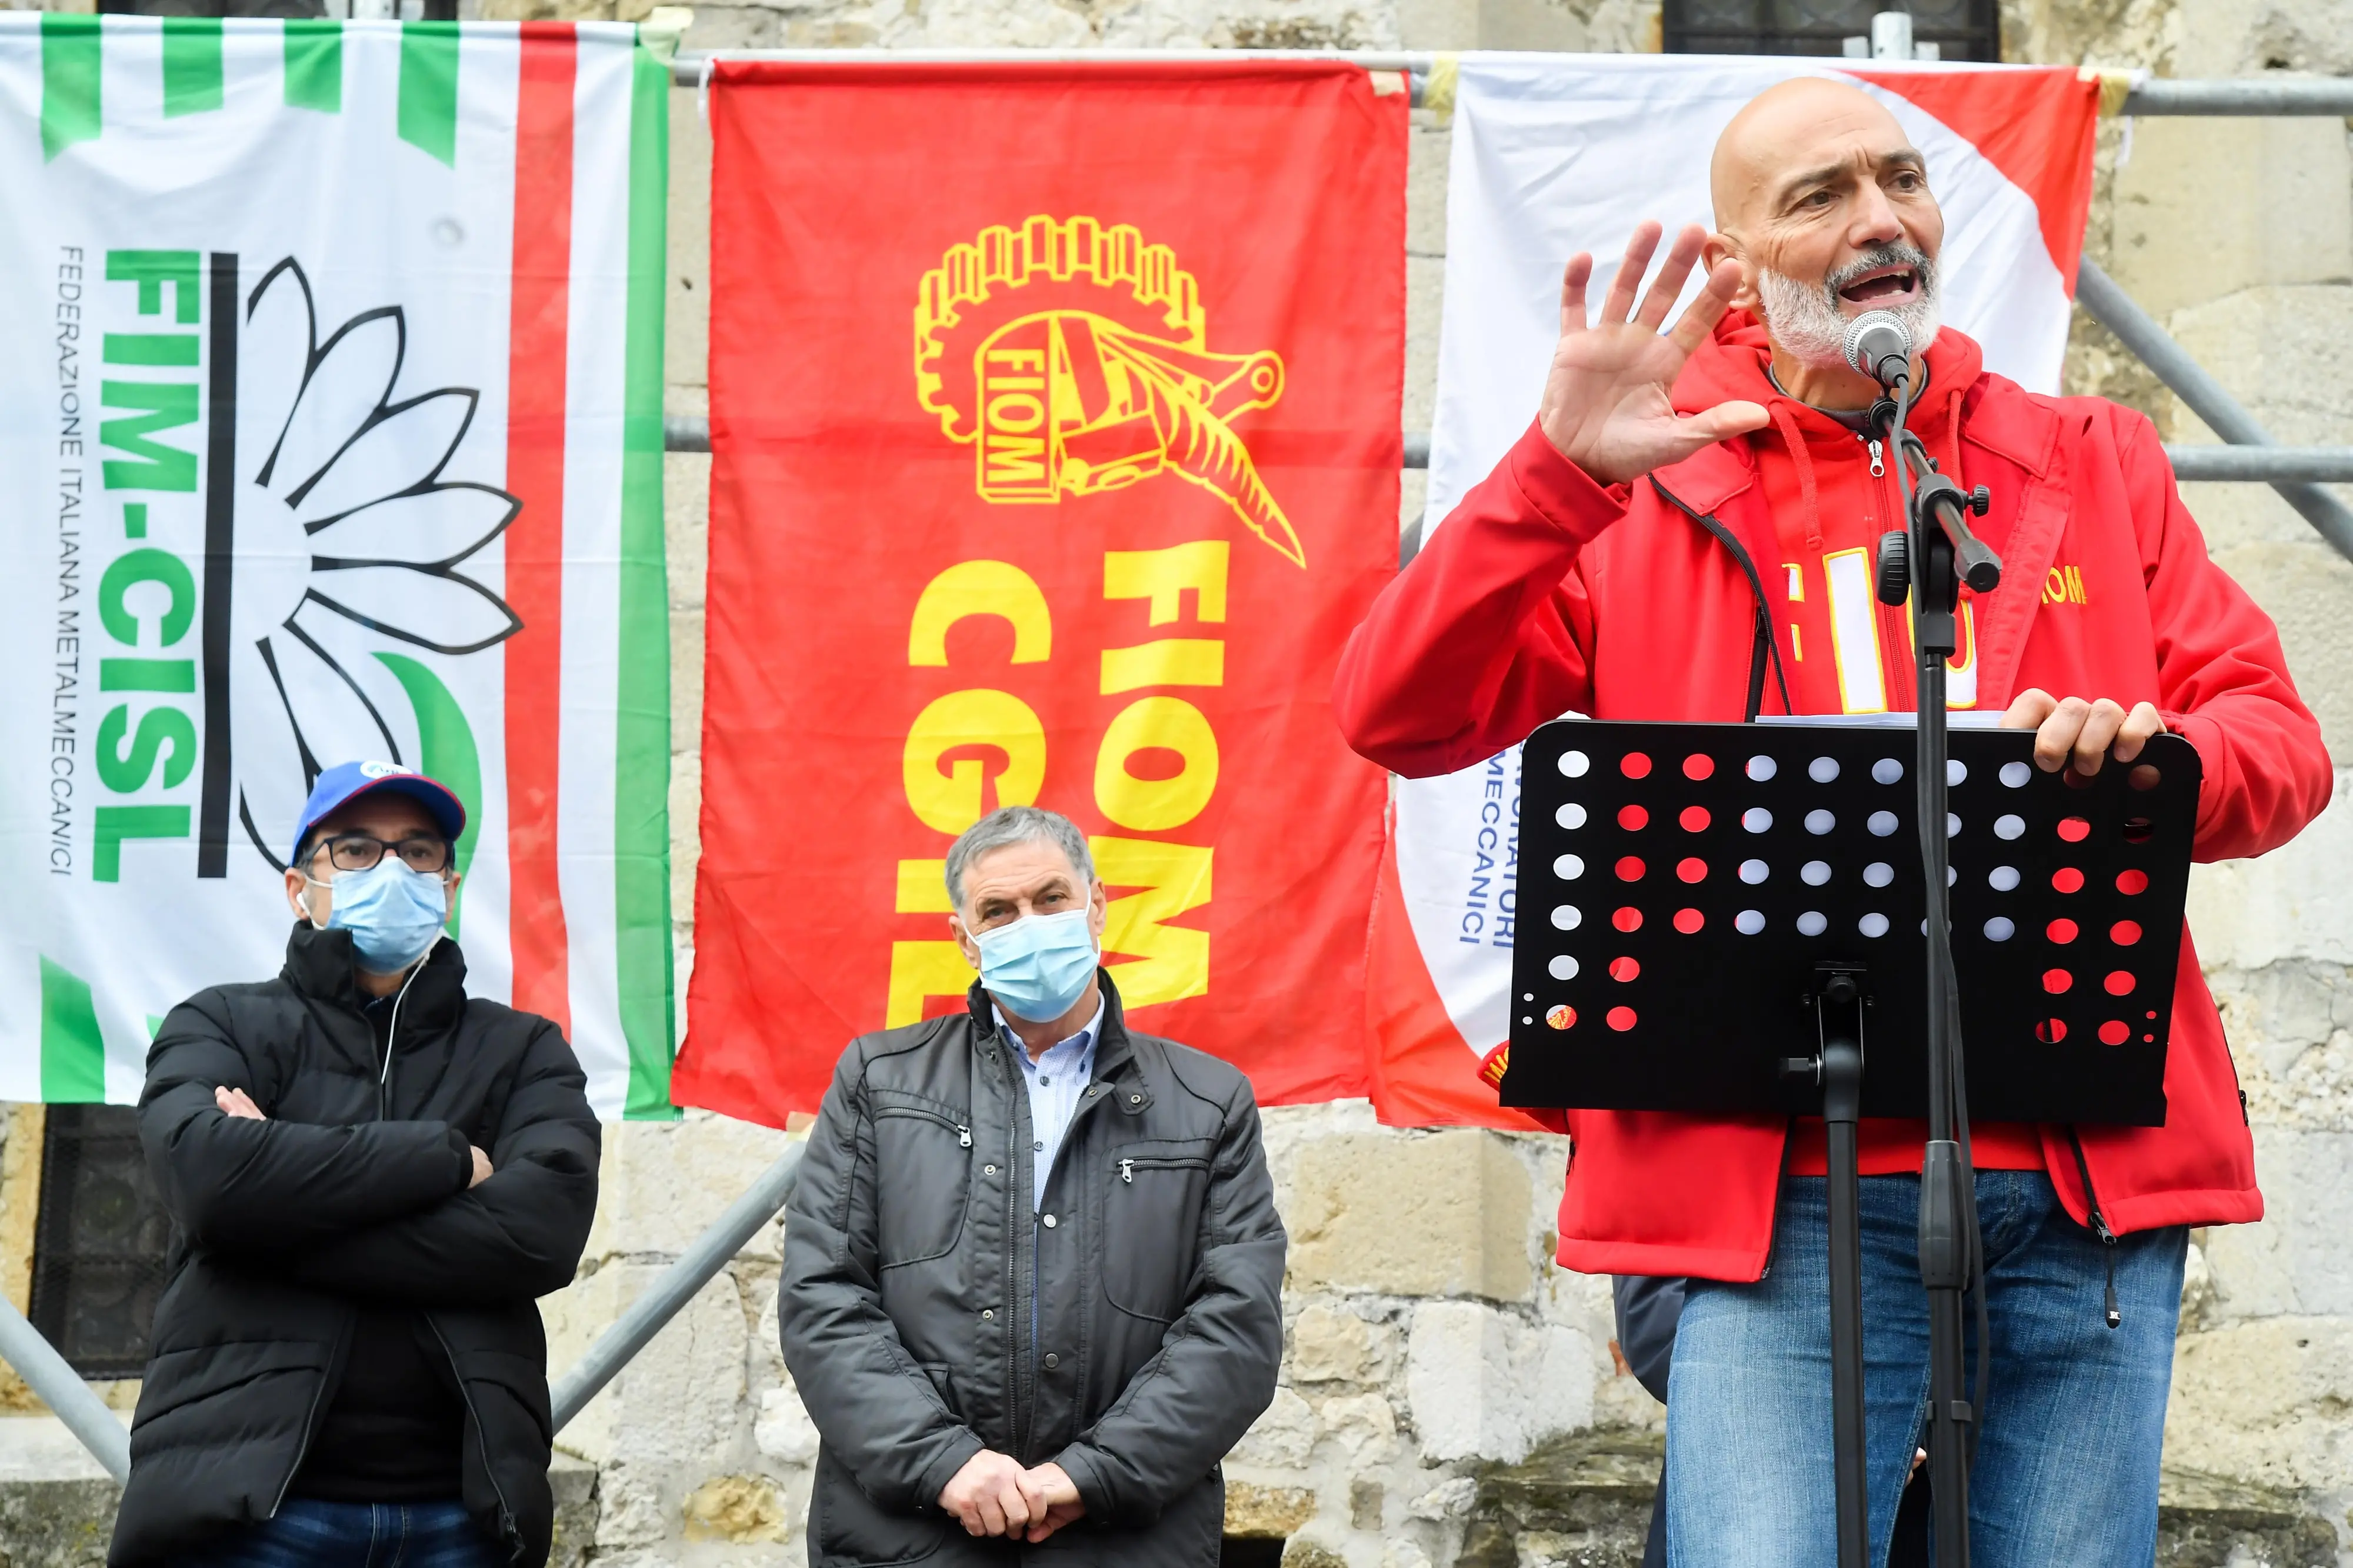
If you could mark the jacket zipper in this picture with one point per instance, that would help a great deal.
(1087, 1102)
(1127, 1168)
(1018, 1362)
(391, 1038)
(963, 1132)
(2099, 1226)
(1773, 1220)
(506, 1513)
(1897, 676)
(311, 1416)
(309, 1425)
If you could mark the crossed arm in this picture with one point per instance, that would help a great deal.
(405, 1211)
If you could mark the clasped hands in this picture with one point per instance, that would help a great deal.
(994, 1495)
(238, 1103)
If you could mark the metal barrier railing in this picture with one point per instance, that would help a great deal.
(47, 1374)
(711, 1252)
(2296, 472)
(2224, 415)
(101, 1431)
(2250, 457)
(2257, 463)
(2143, 94)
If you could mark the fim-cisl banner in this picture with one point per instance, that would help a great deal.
(329, 402)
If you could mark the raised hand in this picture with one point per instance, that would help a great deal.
(1607, 406)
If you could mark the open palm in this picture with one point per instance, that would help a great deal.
(1607, 400)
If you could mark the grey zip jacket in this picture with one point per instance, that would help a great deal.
(929, 1313)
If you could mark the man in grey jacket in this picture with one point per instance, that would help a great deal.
(1032, 1279)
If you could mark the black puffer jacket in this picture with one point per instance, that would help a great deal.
(354, 1188)
(914, 1266)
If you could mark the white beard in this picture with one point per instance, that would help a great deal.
(1806, 319)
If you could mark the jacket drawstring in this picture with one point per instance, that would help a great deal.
(1787, 423)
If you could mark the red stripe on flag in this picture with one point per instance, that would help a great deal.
(2038, 127)
(1423, 1072)
(537, 334)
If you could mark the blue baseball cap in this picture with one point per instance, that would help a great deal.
(348, 781)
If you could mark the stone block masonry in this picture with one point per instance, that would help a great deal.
(1448, 1396)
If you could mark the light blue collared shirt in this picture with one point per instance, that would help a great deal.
(1055, 1082)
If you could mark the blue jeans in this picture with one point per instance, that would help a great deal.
(2066, 1463)
(308, 1533)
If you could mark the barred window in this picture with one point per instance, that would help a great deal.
(1961, 29)
(98, 1244)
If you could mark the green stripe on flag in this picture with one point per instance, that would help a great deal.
(427, 117)
(192, 65)
(314, 64)
(69, 59)
(642, 957)
(447, 754)
(73, 1056)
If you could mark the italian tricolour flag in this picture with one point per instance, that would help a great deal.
(331, 410)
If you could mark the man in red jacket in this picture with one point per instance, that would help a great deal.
(1685, 534)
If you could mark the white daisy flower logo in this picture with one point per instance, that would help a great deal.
(361, 563)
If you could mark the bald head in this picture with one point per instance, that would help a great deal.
(1807, 124)
(1825, 204)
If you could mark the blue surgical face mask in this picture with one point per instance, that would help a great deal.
(1038, 966)
(393, 914)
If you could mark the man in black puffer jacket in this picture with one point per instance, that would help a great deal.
(373, 1177)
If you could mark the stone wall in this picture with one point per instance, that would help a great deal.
(1436, 1358)
(1448, 1395)
(1430, 1341)
(2238, 234)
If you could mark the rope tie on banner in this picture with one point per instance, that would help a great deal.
(2117, 85)
(1437, 96)
(664, 29)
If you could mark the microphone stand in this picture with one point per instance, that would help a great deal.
(1928, 565)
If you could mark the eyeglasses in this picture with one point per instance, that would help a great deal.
(361, 851)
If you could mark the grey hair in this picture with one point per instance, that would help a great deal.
(1009, 824)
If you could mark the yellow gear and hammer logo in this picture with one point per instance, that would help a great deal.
(1075, 359)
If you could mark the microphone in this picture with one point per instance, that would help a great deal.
(1879, 344)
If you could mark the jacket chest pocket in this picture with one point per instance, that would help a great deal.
(1152, 1219)
(922, 1158)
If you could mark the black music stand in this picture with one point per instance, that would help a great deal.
(1725, 918)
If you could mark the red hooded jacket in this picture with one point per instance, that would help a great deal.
(1546, 593)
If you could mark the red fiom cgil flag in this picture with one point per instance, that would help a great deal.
(1055, 429)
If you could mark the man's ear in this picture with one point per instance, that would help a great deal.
(1098, 912)
(1721, 247)
(965, 944)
